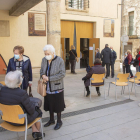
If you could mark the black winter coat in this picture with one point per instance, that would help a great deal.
(106, 55)
(73, 54)
(98, 55)
(114, 57)
(18, 96)
(26, 70)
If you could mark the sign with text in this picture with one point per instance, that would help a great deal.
(108, 28)
(37, 24)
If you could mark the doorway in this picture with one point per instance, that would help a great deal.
(84, 52)
(65, 42)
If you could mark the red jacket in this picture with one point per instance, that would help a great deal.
(139, 58)
(129, 57)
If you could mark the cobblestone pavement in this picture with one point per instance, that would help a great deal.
(83, 119)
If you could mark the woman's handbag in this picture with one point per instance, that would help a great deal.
(77, 59)
(41, 89)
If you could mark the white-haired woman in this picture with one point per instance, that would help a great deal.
(11, 94)
(53, 71)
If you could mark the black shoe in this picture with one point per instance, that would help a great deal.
(106, 77)
(74, 73)
(49, 123)
(112, 76)
(37, 135)
(99, 94)
(58, 126)
(88, 93)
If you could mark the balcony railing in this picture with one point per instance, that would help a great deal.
(80, 5)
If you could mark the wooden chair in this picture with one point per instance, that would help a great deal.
(97, 78)
(135, 80)
(2, 82)
(121, 80)
(15, 114)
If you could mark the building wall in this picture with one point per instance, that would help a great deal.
(98, 11)
(19, 36)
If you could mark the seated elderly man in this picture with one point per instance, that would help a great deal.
(11, 94)
(96, 69)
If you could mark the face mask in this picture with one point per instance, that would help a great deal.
(48, 57)
(16, 56)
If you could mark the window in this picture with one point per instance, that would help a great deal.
(76, 4)
(131, 23)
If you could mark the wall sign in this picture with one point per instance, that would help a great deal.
(109, 28)
(37, 24)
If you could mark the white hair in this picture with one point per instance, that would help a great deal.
(13, 79)
(49, 47)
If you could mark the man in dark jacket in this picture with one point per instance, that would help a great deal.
(98, 54)
(11, 94)
(97, 69)
(114, 57)
(106, 57)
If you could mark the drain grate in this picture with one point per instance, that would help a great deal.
(83, 111)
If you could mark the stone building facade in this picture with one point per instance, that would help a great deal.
(131, 24)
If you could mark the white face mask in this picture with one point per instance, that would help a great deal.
(48, 57)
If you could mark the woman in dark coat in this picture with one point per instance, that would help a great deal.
(21, 63)
(11, 94)
(72, 59)
(52, 72)
(98, 54)
(96, 69)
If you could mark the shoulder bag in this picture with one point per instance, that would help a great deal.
(41, 89)
(77, 59)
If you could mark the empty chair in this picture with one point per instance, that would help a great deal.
(121, 80)
(135, 80)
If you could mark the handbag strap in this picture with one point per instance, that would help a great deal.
(73, 53)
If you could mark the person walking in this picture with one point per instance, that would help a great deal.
(124, 62)
(21, 63)
(72, 59)
(96, 69)
(128, 63)
(114, 57)
(53, 72)
(106, 57)
(98, 54)
(137, 61)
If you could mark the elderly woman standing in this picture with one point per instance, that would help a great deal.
(21, 63)
(53, 71)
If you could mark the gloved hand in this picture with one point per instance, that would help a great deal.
(84, 78)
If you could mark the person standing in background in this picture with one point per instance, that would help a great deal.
(106, 57)
(137, 61)
(98, 54)
(114, 57)
(72, 58)
(128, 63)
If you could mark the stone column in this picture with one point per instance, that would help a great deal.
(53, 24)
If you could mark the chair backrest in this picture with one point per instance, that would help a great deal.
(98, 78)
(123, 77)
(138, 76)
(2, 82)
(11, 112)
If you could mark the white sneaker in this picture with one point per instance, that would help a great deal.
(138, 85)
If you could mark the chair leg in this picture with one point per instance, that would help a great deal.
(135, 88)
(132, 87)
(42, 129)
(115, 92)
(122, 90)
(109, 89)
(84, 91)
(104, 92)
(128, 91)
(26, 133)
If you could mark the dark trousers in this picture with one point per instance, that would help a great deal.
(124, 69)
(107, 68)
(97, 89)
(73, 64)
(128, 70)
(112, 69)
